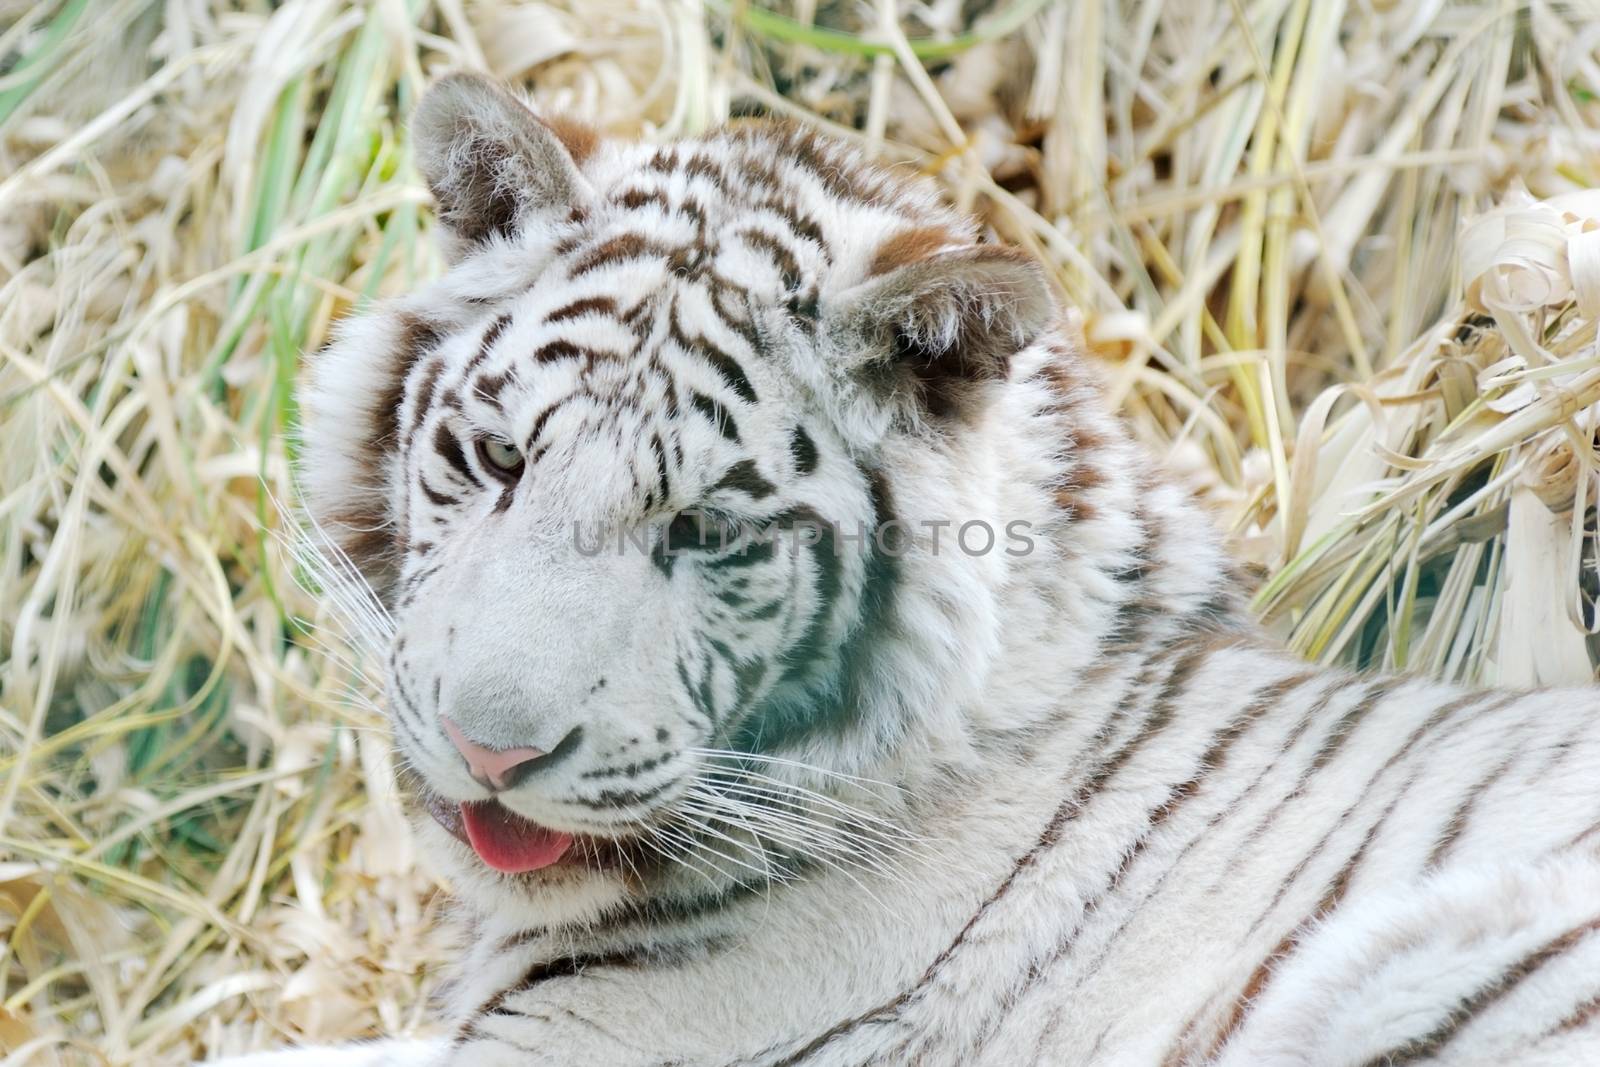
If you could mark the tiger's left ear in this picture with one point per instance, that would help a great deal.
(936, 328)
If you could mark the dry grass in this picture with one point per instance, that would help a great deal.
(1258, 205)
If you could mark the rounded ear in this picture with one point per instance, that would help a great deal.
(936, 327)
(492, 164)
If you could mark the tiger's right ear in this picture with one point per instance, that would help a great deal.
(492, 164)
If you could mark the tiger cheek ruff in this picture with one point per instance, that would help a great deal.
(726, 777)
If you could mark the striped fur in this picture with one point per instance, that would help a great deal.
(1064, 806)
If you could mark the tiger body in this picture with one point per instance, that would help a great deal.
(841, 802)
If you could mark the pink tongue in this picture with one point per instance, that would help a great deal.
(508, 842)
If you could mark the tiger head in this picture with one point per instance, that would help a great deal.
(652, 483)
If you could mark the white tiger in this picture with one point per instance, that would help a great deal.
(824, 798)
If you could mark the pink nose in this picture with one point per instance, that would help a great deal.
(490, 768)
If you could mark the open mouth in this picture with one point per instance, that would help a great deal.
(502, 839)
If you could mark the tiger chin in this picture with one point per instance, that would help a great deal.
(745, 744)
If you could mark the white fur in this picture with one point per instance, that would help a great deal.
(1126, 831)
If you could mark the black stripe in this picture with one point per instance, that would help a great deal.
(1347, 722)
(590, 305)
(436, 498)
(744, 478)
(424, 399)
(1337, 886)
(828, 704)
(560, 349)
(488, 387)
(1173, 688)
(418, 337)
(538, 425)
(1257, 982)
(827, 568)
(633, 199)
(1175, 866)
(704, 166)
(782, 258)
(664, 483)
(803, 226)
(631, 770)
(1439, 715)
(617, 249)
(624, 798)
(575, 966)
(758, 551)
(766, 611)
(725, 289)
(1264, 701)
(746, 677)
(1463, 813)
(1376, 691)
(718, 415)
(1432, 1043)
(727, 368)
(490, 335)
(804, 451)
(655, 913)
(693, 690)
(445, 443)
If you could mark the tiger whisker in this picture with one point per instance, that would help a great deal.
(351, 663)
(811, 810)
(704, 826)
(652, 842)
(811, 768)
(883, 840)
(854, 880)
(816, 841)
(774, 787)
(341, 582)
(801, 821)
(697, 851)
(709, 831)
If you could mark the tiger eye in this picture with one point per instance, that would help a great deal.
(699, 530)
(502, 457)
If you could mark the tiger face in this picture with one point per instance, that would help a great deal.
(636, 481)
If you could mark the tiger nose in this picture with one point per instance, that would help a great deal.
(494, 770)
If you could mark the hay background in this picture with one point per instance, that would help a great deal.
(1257, 206)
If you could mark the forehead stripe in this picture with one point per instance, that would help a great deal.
(589, 305)
(726, 290)
(717, 414)
(538, 423)
(781, 257)
(703, 166)
(487, 387)
(617, 249)
(567, 350)
(725, 365)
(802, 226)
(634, 199)
(496, 328)
(728, 368)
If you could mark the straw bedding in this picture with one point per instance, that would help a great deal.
(1336, 257)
